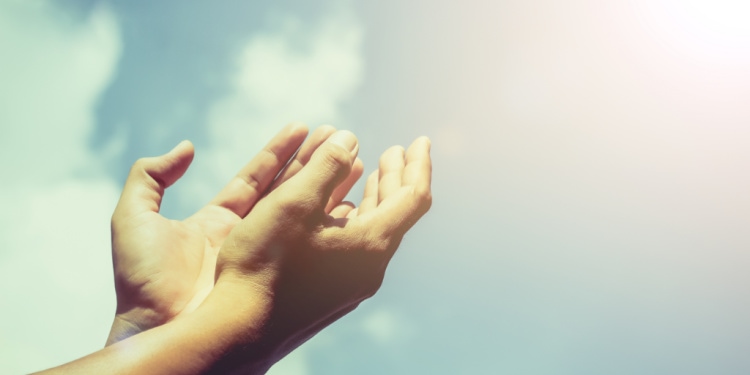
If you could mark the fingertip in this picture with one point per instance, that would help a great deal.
(423, 143)
(326, 129)
(321, 134)
(329, 165)
(296, 131)
(297, 127)
(400, 149)
(358, 169)
(305, 152)
(427, 141)
(346, 140)
(392, 158)
(394, 149)
(358, 165)
(373, 177)
(150, 176)
(183, 146)
(182, 153)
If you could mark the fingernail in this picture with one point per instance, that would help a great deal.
(345, 139)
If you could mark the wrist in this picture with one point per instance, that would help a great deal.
(242, 306)
(133, 322)
(122, 329)
(244, 309)
(223, 333)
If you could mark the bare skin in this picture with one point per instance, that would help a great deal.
(318, 266)
(296, 261)
(165, 268)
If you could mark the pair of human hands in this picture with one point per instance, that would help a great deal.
(277, 235)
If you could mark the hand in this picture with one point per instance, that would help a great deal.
(297, 262)
(164, 268)
(312, 263)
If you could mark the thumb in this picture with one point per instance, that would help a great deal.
(149, 177)
(328, 167)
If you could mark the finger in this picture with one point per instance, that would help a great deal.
(328, 167)
(303, 155)
(391, 168)
(418, 169)
(353, 213)
(401, 210)
(342, 210)
(244, 190)
(149, 177)
(370, 198)
(342, 190)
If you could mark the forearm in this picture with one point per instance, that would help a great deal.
(189, 345)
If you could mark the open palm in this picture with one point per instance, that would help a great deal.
(165, 268)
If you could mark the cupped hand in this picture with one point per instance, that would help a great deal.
(312, 261)
(165, 268)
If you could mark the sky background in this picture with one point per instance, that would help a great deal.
(591, 182)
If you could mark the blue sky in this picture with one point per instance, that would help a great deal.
(591, 169)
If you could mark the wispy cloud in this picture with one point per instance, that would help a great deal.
(385, 326)
(296, 72)
(55, 265)
(55, 232)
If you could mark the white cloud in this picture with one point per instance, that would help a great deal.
(384, 326)
(55, 265)
(293, 364)
(297, 362)
(294, 73)
(51, 69)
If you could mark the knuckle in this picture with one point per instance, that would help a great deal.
(252, 180)
(337, 157)
(139, 165)
(292, 205)
(145, 169)
(270, 155)
(142, 166)
(423, 195)
(286, 202)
